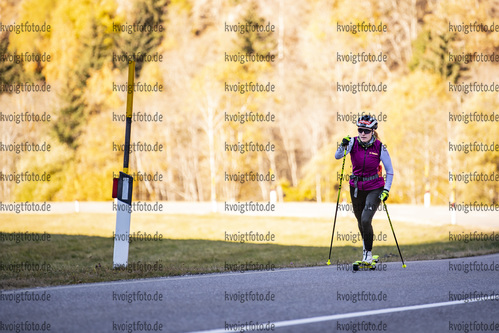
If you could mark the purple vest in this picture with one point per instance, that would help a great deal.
(365, 163)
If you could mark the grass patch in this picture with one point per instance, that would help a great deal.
(82, 259)
(81, 246)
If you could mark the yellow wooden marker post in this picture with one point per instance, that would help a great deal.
(129, 112)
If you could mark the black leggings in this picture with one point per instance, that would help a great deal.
(364, 207)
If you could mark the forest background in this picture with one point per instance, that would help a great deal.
(418, 107)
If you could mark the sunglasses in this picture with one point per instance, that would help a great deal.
(364, 130)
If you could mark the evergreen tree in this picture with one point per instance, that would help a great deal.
(252, 42)
(147, 13)
(12, 72)
(96, 50)
(431, 53)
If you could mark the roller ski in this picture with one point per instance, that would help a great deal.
(368, 262)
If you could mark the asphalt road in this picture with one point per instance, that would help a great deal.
(427, 296)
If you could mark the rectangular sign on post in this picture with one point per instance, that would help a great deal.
(123, 189)
(123, 217)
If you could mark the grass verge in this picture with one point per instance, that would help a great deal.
(73, 259)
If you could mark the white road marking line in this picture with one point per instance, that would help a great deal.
(311, 320)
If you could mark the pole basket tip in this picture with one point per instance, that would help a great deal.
(329, 262)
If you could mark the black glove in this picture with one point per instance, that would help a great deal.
(345, 141)
(384, 195)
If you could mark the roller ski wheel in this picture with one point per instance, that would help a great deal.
(356, 265)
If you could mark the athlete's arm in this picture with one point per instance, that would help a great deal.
(387, 162)
(341, 150)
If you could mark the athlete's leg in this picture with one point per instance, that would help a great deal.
(371, 205)
(358, 206)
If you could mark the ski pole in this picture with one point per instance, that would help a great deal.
(384, 204)
(337, 203)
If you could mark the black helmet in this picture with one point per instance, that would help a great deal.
(367, 121)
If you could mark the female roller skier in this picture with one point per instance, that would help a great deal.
(367, 185)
